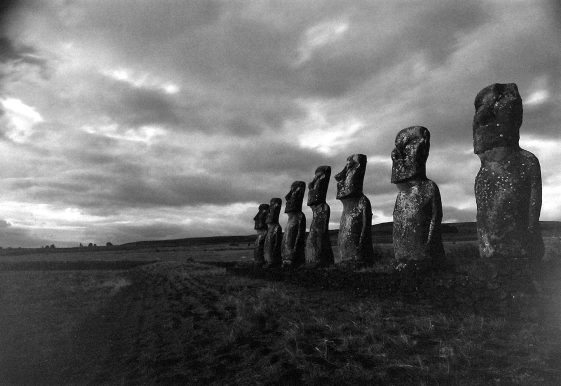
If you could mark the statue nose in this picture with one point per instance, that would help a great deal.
(339, 176)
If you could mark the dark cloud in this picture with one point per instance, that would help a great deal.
(12, 236)
(277, 158)
(542, 120)
(130, 186)
(7, 9)
(135, 232)
(250, 79)
(554, 8)
(135, 107)
(125, 104)
(373, 49)
(11, 52)
(377, 179)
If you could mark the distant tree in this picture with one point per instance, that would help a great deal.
(95, 245)
(53, 246)
(108, 244)
(90, 245)
(81, 246)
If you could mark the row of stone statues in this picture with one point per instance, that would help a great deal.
(507, 192)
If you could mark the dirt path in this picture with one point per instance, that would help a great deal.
(168, 327)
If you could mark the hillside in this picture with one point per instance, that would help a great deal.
(382, 233)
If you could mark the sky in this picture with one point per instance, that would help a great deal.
(127, 120)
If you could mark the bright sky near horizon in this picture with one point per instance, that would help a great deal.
(126, 120)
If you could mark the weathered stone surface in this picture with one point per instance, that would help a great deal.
(417, 214)
(273, 239)
(498, 117)
(409, 157)
(294, 238)
(355, 230)
(508, 185)
(261, 228)
(318, 244)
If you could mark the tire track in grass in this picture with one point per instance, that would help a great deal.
(164, 328)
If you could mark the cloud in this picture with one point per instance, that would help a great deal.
(11, 236)
(154, 113)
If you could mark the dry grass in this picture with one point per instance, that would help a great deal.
(188, 323)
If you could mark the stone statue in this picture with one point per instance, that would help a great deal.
(318, 244)
(261, 228)
(272, 247)
(417, 214)
(294, 238)
(355, 230)
(508, 188)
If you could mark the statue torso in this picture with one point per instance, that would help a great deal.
(503, 194)
(357, 213)
(412, 216)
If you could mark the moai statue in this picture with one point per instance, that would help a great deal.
(417, 214)
(294, 238)
(355, 230)
(272, 247)
(261, 228)
(318, 245)
(508, 187)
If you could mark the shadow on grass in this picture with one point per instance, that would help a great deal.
(511, 288)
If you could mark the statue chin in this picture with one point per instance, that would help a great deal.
(496, 154)
(400, 176)
(346, 191)
(291, 207)
(315, 198)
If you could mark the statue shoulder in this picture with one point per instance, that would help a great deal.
(431, 186)
(529, 158)
(364, 202)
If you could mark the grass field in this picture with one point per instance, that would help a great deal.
(172, 320)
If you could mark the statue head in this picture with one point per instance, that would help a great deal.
(261, 217)
(410, 154)
(349, 180)
(274, 211)
(498, 117)
(317, 189)
(295, 197)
